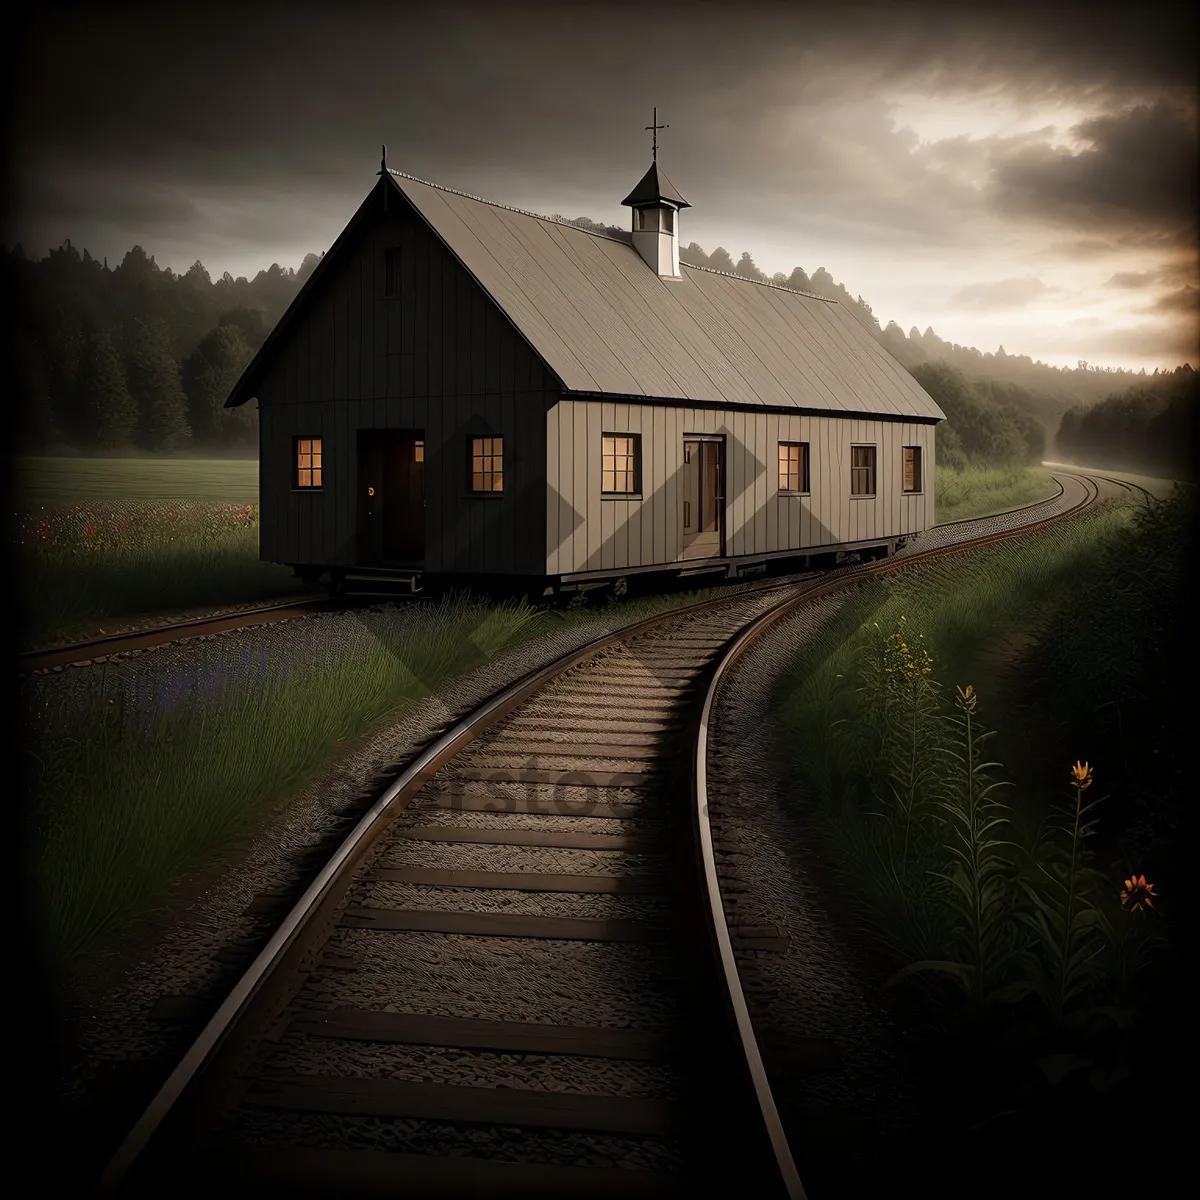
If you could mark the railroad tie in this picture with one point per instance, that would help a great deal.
(471, 1033)
(305, 1171)
(520, 881)
(516, 925)
(577, 778)
(451, 1102)
(459, 799)
(540, 838)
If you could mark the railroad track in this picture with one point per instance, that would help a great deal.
(539, 887)
(100, 649)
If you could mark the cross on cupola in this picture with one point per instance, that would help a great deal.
(653, 129)
(656, 205)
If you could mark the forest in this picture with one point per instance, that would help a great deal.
(136, 358)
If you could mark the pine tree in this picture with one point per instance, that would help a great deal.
(799, 281)
(719, 260)
(108, 410)
(155, 387)
(209, 374)
(746, 267)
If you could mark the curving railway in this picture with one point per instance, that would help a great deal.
(518, 975)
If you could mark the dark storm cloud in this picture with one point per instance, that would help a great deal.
(1185, 300)
(1137, 175)
(219, 94)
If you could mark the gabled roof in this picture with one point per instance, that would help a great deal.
(653, 187)
(606, 325)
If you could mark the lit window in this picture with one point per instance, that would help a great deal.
(862, 470)
(620, 468)
(308, 462)
(793, 467)
(912, 469)
(418, 452)
(487, 464)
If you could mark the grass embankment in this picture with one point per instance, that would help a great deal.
(1026, 974)
(979, 491)
(137, 782)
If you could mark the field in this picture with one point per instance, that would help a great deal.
(61, 483)
(978, 492)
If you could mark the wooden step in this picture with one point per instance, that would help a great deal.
(476, 1105)
(511, 1037)
(461, 800)
(602, 779)
(310, 1172)
(548, 838)
(520, 925)
(521, 881)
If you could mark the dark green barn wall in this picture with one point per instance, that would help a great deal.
(440, 357)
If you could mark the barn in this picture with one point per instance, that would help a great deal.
(463, 391)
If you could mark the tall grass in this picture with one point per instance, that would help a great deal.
(979, 491)
(132, 791)
(81, 566)
(994, 911)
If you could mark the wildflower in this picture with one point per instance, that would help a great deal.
(967, 699)
(1081, 775)
(1138, 891)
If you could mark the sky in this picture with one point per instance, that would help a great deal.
(1014, 174)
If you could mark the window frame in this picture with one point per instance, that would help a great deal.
(918, 471)
(393, 259)
(647, 220)
(805, 470)
(319, 453)
(873, 468)
(489, 455)
(635, 454)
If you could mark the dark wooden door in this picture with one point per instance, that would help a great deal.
(391, 497)
(703, 498)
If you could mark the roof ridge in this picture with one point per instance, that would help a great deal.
(441, 187)
(761, 282)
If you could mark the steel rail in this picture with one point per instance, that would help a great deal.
(34, 660)
(324, 889)
(735, 648)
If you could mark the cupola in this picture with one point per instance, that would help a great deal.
(656, 204)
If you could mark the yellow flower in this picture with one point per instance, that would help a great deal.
(1138, 891)
(1081, 775)
(967, 699)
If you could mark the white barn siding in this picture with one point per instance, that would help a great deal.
(590, 532)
